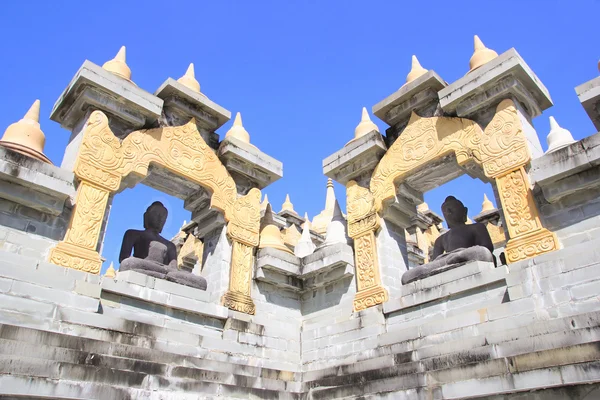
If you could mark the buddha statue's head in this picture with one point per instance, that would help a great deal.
(454, 212)
(155, 217)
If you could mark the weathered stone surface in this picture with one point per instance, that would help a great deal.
(245, 160)
(589, 96)
(355, 160)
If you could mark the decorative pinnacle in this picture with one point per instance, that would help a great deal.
(265, 202)
(365, 126)
(481, 55)
(287, 204)
(416, 70)
(118, 65)
(189, 79)
(238, 131)
(110, 272)
(25, 136)
(487, 205)
(558, 137)
(329, 182)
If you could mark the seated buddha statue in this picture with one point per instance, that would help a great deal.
(152, 254)
(460, 244)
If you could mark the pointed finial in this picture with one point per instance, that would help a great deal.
(336, 230)
(416, 70)
(238, 131)
(365, 126)
(487, 205)
(329, 183)
(189, 79)
(270, 235)
(306, 222)
(558, 137)
(481, 55)
(265, 203)
(118, 65)
(110, 272)
(305, 245)
(25, 136)
(287, 204)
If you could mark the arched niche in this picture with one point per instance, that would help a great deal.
(106, 165)
(498, 154)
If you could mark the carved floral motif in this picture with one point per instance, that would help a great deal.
(517, 202)
(366, 261)
(86, 221)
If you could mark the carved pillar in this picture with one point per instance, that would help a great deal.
(363, 222)
(505, 154)
(243, 230)
(79, 248)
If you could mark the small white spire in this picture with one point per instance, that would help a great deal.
(305, 245)
(336, 230)
(558, 137)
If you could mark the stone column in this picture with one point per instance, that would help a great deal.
(503, 95)
(352, 166)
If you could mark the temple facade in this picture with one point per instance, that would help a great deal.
(297, 308)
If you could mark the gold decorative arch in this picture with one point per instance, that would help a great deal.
(501, 149)
(104, 160)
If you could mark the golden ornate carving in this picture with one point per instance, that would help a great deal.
(503, 146)
(363, 221)
(238, 296)
(244, 222)
(422, 141)
(192, 249)
(531, 245)
(517, 203)
(104, 160)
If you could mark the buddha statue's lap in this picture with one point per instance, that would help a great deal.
(153, 255)
(461, 244)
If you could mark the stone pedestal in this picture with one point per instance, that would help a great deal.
(476, 95)
(420, 96)
(182, 103)
(127, 106)
(589, 96)
(248, 166)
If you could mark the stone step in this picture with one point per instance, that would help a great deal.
(43, 353)
(43, 388)
(62, 345)
(177, 379)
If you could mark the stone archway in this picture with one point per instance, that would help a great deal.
(502, 152)
(106, 165)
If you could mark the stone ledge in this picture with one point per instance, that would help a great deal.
(98, 88)
(33, 183)
(589, 96)
(439, 288)
(476, 90)
(554, 171)
(166, 299)
(357, 157)
(248, 161)
(326, 265)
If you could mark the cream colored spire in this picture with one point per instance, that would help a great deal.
(365, 126)
(118, 65)
(25, 136)
(423, 207)
(481, 55)
(558, 137)
(322, 220)
(487, 205)
(306, 222)
(238, 131)
(416, 70)
(110, 272)
(469, 221)
(287, 205)
(305, 245)
(336, 229)
(265, 203)
(189, 79)
(270, 236)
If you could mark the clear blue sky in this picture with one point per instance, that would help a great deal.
(299, 71)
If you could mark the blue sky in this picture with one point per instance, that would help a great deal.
(299, 71)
